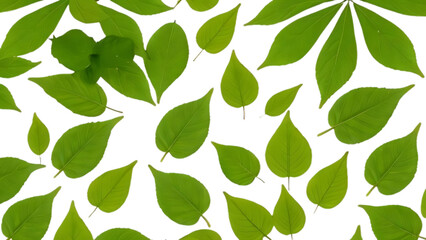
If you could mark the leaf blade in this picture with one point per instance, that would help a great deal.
(281, 101)
(38, 136)
(6, 99)
(87, 11)
(14, 66)
(73, 227)
(143, 7)
(121, 234)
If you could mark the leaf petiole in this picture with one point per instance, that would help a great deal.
(260, 179)
(164, 156)
(326, 131)
(57, 174)
(371, 190)
(112, 109)
(202, 50)
(207, 221)
(93, 212)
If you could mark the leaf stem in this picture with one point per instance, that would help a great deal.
(371, 190)
(260, 179)
(207, 221)
(326, 131)
(288, 181)
(93, 211)
(39, 157)
(244, 113)
(268, 237)
(291, 236)
(57, 173)
(422, 237)
(316, 208)
(202, 50)
(115, 110)
(164, 156)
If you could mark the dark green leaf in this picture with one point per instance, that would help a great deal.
(6, 99)
(73, 227)
(289, 217)
(114, 51)
(14, 66)
(9, 5)
(202, 5)
(281, 101)
(121, 234)
(143, 7)
(87, 11)
(411, 7)
(357, 235)
(203, 234)
(38, 136)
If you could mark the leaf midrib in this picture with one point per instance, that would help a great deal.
(329, 186)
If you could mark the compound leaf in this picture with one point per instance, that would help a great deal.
(281, 101)
(73, 227)
(412, 7)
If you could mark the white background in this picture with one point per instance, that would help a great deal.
(134, 137)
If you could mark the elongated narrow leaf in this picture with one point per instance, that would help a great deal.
(248, 219)
(328, 187)
(29, 218)
(9, 5)
(38, 136)
(279, 10)
(386, 42)
(75, 94)
(361, 113)
(6, 99)
(121, 234)
(31, 31)
(109, 191)
(281, 101)
(423, 205)
(238, 164)
(337, 60)
(80, 149)
(14, 66)
(392, 166)
(412, 7)
(294, 41)
(168, 55)
(13, 174)
(181, 197)
(202, 234)
(216, 34)
(73, 227)
(202, 5)
(357, 235)
(184, 129)
(289, 217)
(394, 222)
(87, 11)
(143, 7)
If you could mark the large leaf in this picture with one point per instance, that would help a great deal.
(181, 197)
(412, 7)
(337, 59)
(361, 113)
(9, 5)
(202, 5)
(386, 42)
(6, 99)
(87, 11)
(143, 7)
(80, 149)
(184, 129)
(73, 227)
(281, 101)
(31, 31)
(29, 218)
(14, 66)
(203, 234)
(249, 220)
(357, 235)
(121, 234)
(392, 166)
(168, 55)
(13, 174)
(38, 136)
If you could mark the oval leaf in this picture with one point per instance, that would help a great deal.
(87, 11)
(202, 5)
(202, 235)
(121, 234)
(9, 5)
(412, 7)
(143, 7)
(14, 66)
(281, 101)
(357, 235)
(6, 99)
(73, 227)
(38, 136)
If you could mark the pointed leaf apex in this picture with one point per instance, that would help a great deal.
(55, 192)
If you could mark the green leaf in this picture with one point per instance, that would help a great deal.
(181, 197)
(14, 66)
(143, 7)
(121, 234)
(279, 10)
(9, 5)
(114, 51)
(288, 153)
(38, 136)
(75, 94)
(394, 222)
(184, 129)
(73, 227)
(289, 217)
(423, 205)
(87, 11)
(361, 113)
(248, 220)
(6, 99)
(73, 49)
(357, 235)
(29, 218)
(31, 31)
(392, 166)
(387, 43)
(412, 7)
(239, 87)
(337, 59)
(238, 164)
(203, 234)
(80, 149)
(216, 34)
(295, 40)
(281, 101)
(13, 174)
(109, 191)
(202, 5)
(168, 55)
(328, 187)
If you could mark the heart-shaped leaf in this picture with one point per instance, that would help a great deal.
(73, 227)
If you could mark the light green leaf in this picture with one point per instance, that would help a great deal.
(392, 166)
(38, 136)
(80, 149)
(13, 174)
(31, 31)
(6, 99)
(387, 43)
(423, 205)
(281, 101)
(87, 11)
(238, 164)
(202, 5)
(337, 59)
(168, 55)
(121, 234)
(29, 218)
(9, 5)
(361, 113)
(113, 51)
(73, 227)
(14, 66)
(328, 187)
(184, 129)
(249, 220)
(109, 191)
(357, 235)
(203, 234)
(289, 217)
(143, 7)
(412, 7)
(181, 197)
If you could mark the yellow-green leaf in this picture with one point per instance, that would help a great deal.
(73, 227)
(38, 136)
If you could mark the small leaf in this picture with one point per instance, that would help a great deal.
(202, 5)
(357, 235)
(281, 101)
(109, 191)
(29, 218)
(14, 66)
(392, 166)
(203, 234)
(80, 149)
(328, 187)
(412, 7)
(184, 129)
(248, 220)
(73, 227)
(121, 234)
(14, 173)
(9, 5)
(31, 31)
(143, 7)
(423, 205)
(87, 11)
(386, 42)
(38, 136)
(181, 197)
(6, 99)
(238, 164)
(168, 55)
